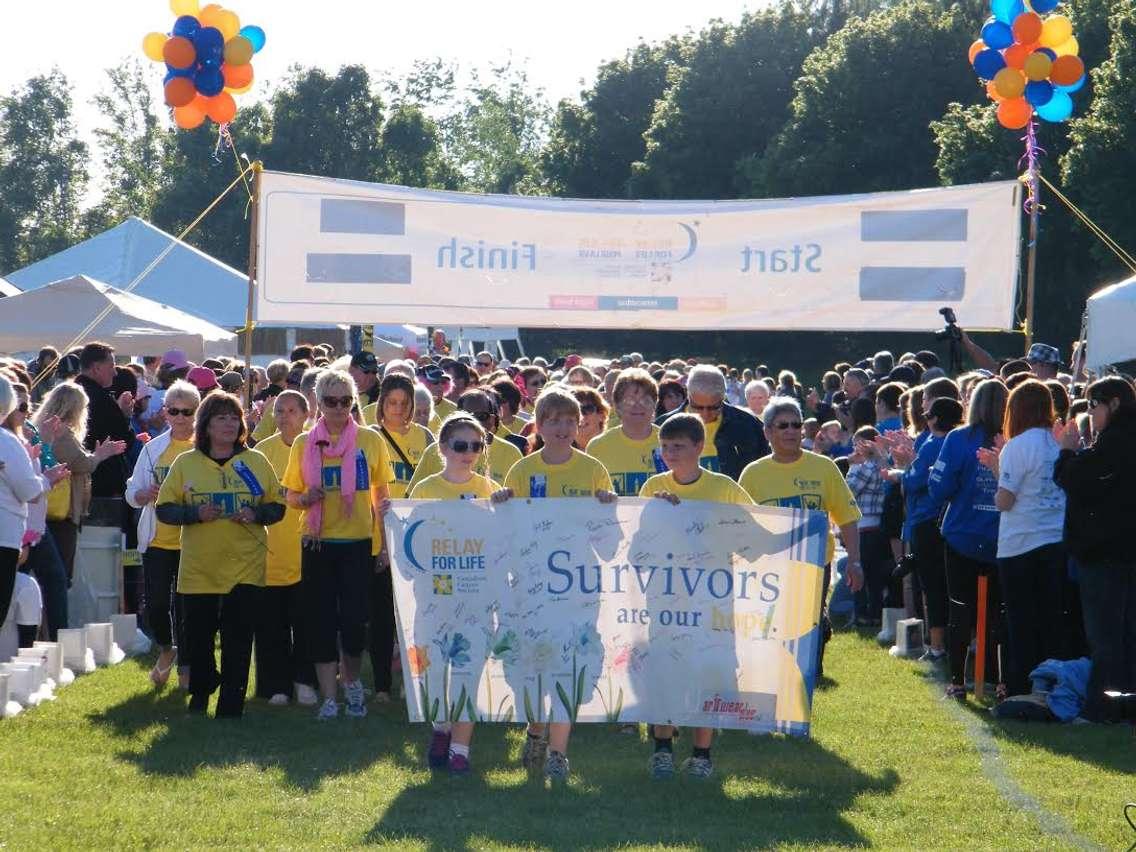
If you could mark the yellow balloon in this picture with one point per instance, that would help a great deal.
(1010, 83)
(1071, 47)
(1037, 66)
(228, 23)
(185, 7)
(1057, 29)
(152, 46)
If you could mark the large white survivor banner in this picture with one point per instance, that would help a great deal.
(566, 609)
(343, 251)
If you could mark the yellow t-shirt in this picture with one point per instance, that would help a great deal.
(282, 565)
(709, 459)
(413, 444)
(370, 414)
(373, 471)
(443, 408)
(437, 487)
(221, 554)
(629, 462)
(165, 536)
(711, 487)
(494, 464)
(811, 482)
(580, 476)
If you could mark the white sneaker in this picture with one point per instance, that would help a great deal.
(279, 700)
(353, 693)
(328, 710)
(306, 696)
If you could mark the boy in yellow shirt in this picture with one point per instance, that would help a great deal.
(557, 470)
(682, 438)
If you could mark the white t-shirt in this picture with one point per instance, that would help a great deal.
(1038, 515)
(26, 609)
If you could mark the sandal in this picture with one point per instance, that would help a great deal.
(159, 676)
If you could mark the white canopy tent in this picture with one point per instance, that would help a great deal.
(1111, 320)
(7, 289)
(55, 314)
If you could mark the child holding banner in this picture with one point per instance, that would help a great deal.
(682, 438)
(461, 441)
(557, 470)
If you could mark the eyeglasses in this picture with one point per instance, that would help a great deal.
(181, 412)
(467, 446)
(788, 424)
(337, 401)
(715, 407)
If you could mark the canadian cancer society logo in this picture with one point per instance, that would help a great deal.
(446, 554)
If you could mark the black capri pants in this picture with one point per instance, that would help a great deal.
(336, 585)
(927, 547)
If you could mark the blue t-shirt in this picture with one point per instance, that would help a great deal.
(970, 525)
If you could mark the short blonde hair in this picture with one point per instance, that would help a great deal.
(181, 389)
(555, 400)
(329, 379)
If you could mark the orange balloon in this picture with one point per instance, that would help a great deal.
(1014, 113)
(974, 48)
(180, 92)
(1015, 55)
(179, 52)
(992, 93)
(1066, 70)
(1027, 28)
(221, 108)
(189, 116)
(236, 76)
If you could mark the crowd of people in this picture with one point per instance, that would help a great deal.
(256, 498)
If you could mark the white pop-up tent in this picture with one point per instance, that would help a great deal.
(1111, 320)
(54, 315)
(7, 289)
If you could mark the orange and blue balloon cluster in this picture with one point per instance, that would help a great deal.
(1029, 61)
(208, 57)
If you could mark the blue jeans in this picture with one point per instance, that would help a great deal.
(46, 565)
(1108, 599)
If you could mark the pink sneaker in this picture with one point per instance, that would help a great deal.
(459, 764)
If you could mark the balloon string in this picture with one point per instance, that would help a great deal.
(174, 243)
(225, 135)
(1033, 169)
(1125, 258)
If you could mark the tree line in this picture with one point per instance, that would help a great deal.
(808, 97)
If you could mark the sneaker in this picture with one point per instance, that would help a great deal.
(458, 764)
(534, 753)
(661, 766)
(698, 767)
(958, 693)
(353, 692)
(328, 710)
(306, 696)
(556, 767)
(933, 657)
(438, 755)
(279, 700)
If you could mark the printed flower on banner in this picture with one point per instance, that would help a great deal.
(583, 641)
(453, 649)
(502, 645)
(418, 656)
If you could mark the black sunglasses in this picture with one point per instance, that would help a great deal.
(467, 446)
(187, 412)
(717, 407)
(788, 424)
(22, 408)
(588, 408)
(337, 401)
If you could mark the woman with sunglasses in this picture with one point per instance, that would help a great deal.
(406, 441)
(223, 495)
(795, 478)
(593, 415)
(338, 474)
(462, 443)
(160, 544)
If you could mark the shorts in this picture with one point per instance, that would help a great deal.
(335, 580)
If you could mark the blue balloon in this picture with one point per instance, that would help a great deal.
(1043, 6)
(1074, 87)
(987, 63)
(1048, 51)
(1059, 108)
(209, 43)
(997, 35)
(177, 72)
(209, 81)
(1007, 11)
(1039, 92)
(255, 35)
(186, 26)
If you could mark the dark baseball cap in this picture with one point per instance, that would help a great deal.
(365, 361)
(434, 375)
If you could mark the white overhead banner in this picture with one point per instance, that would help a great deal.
(567, 609)
(346, 251)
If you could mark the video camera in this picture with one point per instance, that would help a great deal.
(953, 335)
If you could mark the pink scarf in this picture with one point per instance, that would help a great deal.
(319, 446)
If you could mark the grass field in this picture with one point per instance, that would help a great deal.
(112, 764)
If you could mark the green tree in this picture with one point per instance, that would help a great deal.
(725, 105)
(131, 145)
(43, 171)
(594, 143)
(864, 102)
(412, 151)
